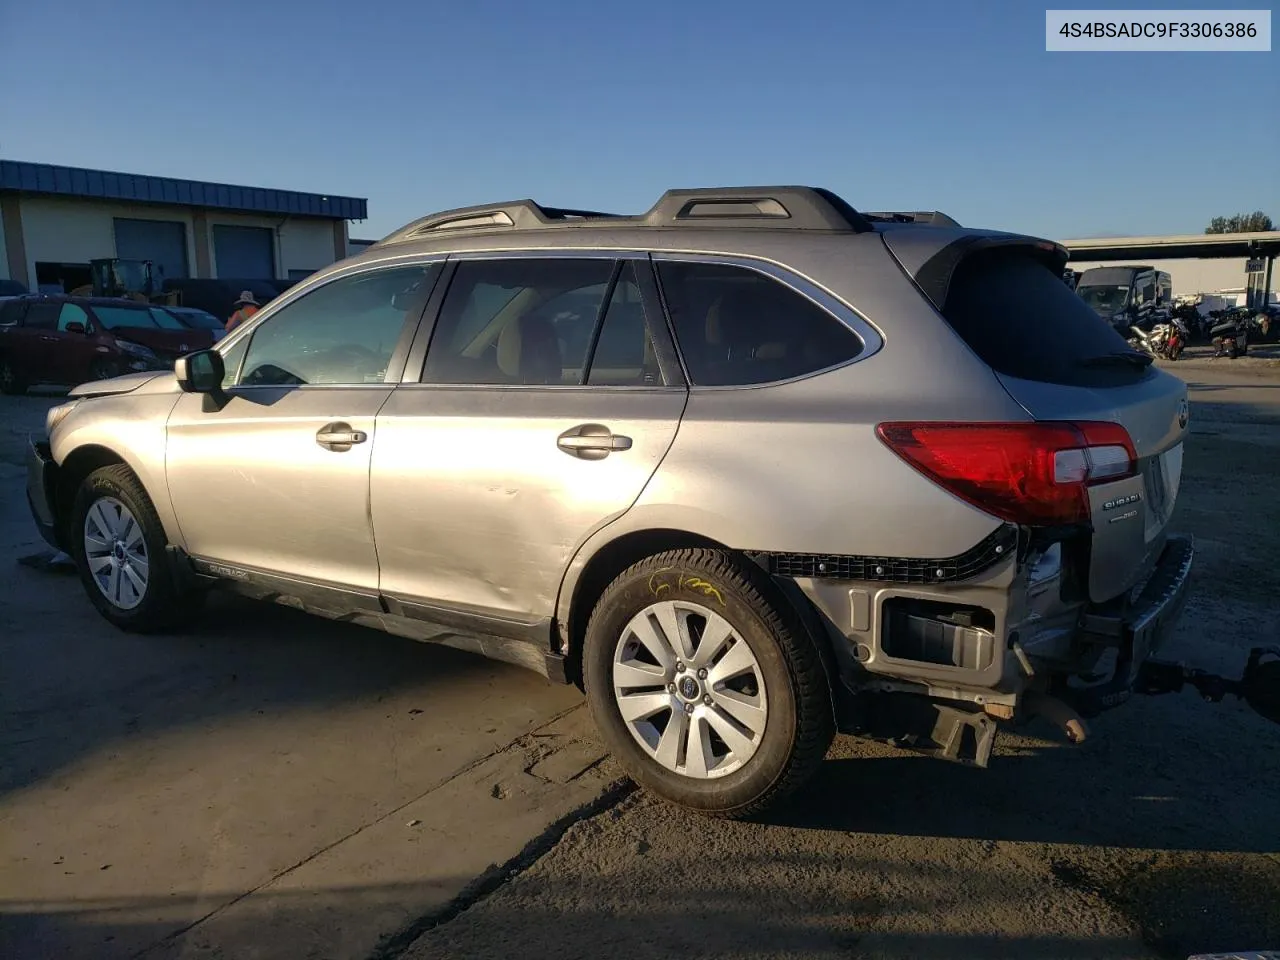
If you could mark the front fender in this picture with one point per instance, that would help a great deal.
(132, 427)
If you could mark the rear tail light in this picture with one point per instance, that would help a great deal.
(1035, 474)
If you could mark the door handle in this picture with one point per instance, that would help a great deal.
(49, 339)
(339, 437)
(591, 441)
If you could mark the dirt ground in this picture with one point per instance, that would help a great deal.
(279, 786)
(1158, 838)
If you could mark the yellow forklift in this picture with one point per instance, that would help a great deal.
(127, 279)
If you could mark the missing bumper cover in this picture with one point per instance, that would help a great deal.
(986, 554)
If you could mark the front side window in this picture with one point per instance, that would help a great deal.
(343, 332)
(737, 327)
(518, 321)
(72, 313)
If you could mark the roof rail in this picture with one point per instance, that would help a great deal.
(935, 218)
(513, 214)
(796, 208)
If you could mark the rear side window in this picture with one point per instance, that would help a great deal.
(42, 316)
(11, 313)
(1017, 315)
(737, 327)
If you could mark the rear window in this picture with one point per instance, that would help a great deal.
(1018, 316)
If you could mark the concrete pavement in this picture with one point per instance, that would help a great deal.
(148, 784)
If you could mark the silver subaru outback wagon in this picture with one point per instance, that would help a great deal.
(750, 468)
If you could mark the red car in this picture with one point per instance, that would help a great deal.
(70, 340)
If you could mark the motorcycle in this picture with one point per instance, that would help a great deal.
(1230, 335)
(1197, 325)
(1165, 340)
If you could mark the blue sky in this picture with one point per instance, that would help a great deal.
(421, 106)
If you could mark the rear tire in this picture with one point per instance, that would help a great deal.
(718, 729)
(10, 383)
(118, 544)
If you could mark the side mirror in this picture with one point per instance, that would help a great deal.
(200, 372)
(75, 326)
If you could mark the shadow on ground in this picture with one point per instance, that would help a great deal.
(240, 658)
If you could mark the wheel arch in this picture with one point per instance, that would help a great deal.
(92, 455)
(77, 465)
(593, 570)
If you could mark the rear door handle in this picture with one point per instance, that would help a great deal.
(591, 441)
(339, 437)
(49, 339)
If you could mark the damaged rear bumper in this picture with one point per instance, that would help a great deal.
(1137, 630)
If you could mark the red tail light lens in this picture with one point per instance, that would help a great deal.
(1035, 474)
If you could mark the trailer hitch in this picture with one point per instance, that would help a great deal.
(1259, 686)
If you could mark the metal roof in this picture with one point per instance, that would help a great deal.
(44, 178)
(1194, 245)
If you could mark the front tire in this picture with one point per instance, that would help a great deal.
(118, 544)
(705, 685)
(10, 382)
(102, 369)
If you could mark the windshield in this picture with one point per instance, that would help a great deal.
(166, 320)
(199, 319)
(131, 274)
(1105, 300)
(114, 318)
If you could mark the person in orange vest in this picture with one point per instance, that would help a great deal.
(246, 306)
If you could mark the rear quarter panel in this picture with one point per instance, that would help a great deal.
(797, 466)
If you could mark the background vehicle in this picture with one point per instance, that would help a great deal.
(69, 340)
(127, 279)
(1127, 296)
(1164, 340)
(198, 319)
(218, 296)
(1233, 329)
(750, 467)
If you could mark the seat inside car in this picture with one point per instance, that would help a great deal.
(742, 334)
(529, 352)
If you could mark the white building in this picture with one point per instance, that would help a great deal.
(1196, 263)
(54, 220)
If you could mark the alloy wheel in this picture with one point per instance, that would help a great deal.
(689, 689)
(116, 553)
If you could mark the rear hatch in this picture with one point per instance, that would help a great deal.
(1062, 362)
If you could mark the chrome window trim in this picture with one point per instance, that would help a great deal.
(872, 340)
(301, 290)
(555, 387)
(552, 253)
(315, 282)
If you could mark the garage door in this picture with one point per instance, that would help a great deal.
(244, 253)
(163, 242)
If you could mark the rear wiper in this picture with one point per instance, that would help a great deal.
(1129, 357)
